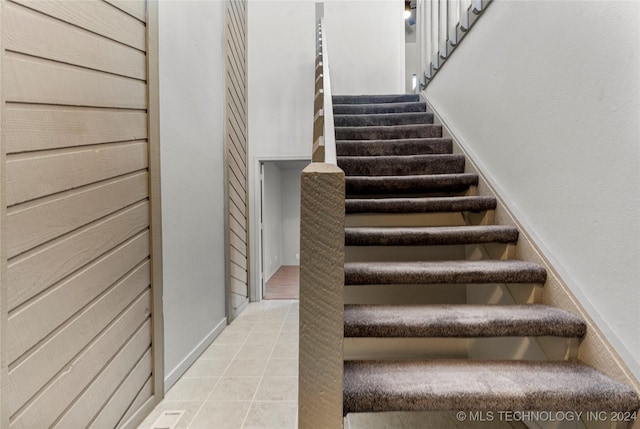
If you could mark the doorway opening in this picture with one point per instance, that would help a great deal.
(280, 228)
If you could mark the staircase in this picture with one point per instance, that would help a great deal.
(436, 301)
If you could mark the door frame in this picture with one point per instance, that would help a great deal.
(256, 250)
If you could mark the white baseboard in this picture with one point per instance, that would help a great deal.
(177, 372)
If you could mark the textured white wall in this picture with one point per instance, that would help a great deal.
(366, 46)
(281, 62)
(546, 95)
(191, 142)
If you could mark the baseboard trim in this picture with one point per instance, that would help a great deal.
(175, 374)
(595, 350)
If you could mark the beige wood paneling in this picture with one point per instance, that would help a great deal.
(66, 386)
(37, 222)
(117, 373)
(236, 154)
(32, 373)
(96, 16)
(33, 33)
(34, 175)
(31, 323)
(125, 395)
(143, 396)
(33, 80)
(81, 291)
(32, 127)
(136, 8)
(62, 256)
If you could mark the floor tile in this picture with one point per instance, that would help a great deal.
(285, 350)
(207, 368)
(287, 367)
(277, 389)
(272, 415)
(255, 351)
(191, 389)
(246, 367)
(221, 351)
(235, 389)
(220, 415)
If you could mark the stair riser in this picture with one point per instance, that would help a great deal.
(405, 219)
(401, 166)
(448, 205)
(381, 133)
(375, 99)
(361, 109)
(523, 348)
(396, 147)
(405, 294)
(403, 253)
(410, 253)
(405, 185)
(384, 119)
(401, 294)
(394, 238)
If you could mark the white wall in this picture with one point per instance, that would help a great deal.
(281, 58)
(291, 216)
(547, 97)
(271, 220)
(411, 65)
(191, 141)
(366, 46)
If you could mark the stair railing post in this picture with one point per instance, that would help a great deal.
(321, 297)
(322, 215)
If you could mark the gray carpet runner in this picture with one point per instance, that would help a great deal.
(397, 162)
(481, 385)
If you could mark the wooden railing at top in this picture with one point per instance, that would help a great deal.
(324, 137)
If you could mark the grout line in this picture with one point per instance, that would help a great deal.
(235, 356)
(253, 400)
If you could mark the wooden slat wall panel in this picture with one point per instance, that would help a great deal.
(96, 16)
(31, 33)
(39, 174)
(32, 80)
(236, 156)
(31, 323)
(76, 123)
(139, 401)
(31, 374)
(126, 393)
(60, 393)
(37, 222)
(69, 253)
(136, 8)
(82, 412)
(30, 128)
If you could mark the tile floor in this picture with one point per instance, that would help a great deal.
(248, 379)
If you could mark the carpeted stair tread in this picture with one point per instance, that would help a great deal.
(361, 109)
(389, 132)
(447, 272)
(460, 321)
(429, 236)
(401, 165)
(374, 386)
(419, 205)
(367, 185)
(375, 99)
(418, 146)
(369, 120)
